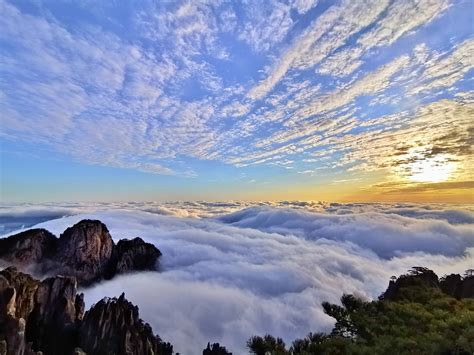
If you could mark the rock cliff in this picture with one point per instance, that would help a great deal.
(48, 317)
(29, 247)
(133, 255)
(112, 326)
(85, 251)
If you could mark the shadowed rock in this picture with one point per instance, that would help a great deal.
(52, 325)
(85, 251)
(48, 316)
(112, 326)
(38, 315)
(28, 247)
(135, 254)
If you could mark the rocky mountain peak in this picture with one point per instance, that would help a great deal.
(28, 247)
(113, 326)
(85, 248)
(86, 251)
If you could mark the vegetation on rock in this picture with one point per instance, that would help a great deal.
(418, 314)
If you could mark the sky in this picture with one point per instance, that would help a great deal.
(225, 100)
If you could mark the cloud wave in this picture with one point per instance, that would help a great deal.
(267, 268)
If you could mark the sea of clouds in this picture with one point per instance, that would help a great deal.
(235, 269)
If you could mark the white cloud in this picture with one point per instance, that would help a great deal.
(303, 6)
(400, 18)
(165, 91)
(223, 279)
(328, 32)
(267, 24)
(444, 71)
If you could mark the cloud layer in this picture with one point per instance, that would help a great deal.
(267, 268)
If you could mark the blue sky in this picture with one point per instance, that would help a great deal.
(304, 99)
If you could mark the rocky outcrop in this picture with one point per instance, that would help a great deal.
(29, 247)
(53, 323)
(23, 288)
(48, 317)
(411, 285)
(112, 326)
(38, 315)
(85, 251)
(135, 254)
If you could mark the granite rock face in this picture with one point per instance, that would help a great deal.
(53, 323)
(48, 317)
(28, 247)
(135, 254)
(38, 315)
(85, 251)
(112, 326)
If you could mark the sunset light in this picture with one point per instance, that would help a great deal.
(218, 177)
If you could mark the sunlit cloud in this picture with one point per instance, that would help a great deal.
(175, 88)
(222, 277)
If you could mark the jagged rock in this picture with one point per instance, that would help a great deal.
(215, 349)
(53, 323)
(7, 298)
(16, 293)
(49, 315)
(41, 314)
(24, 287)
(25, 248)
(112, 326)
(85, 250)
(135, 254)
(56, 325)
